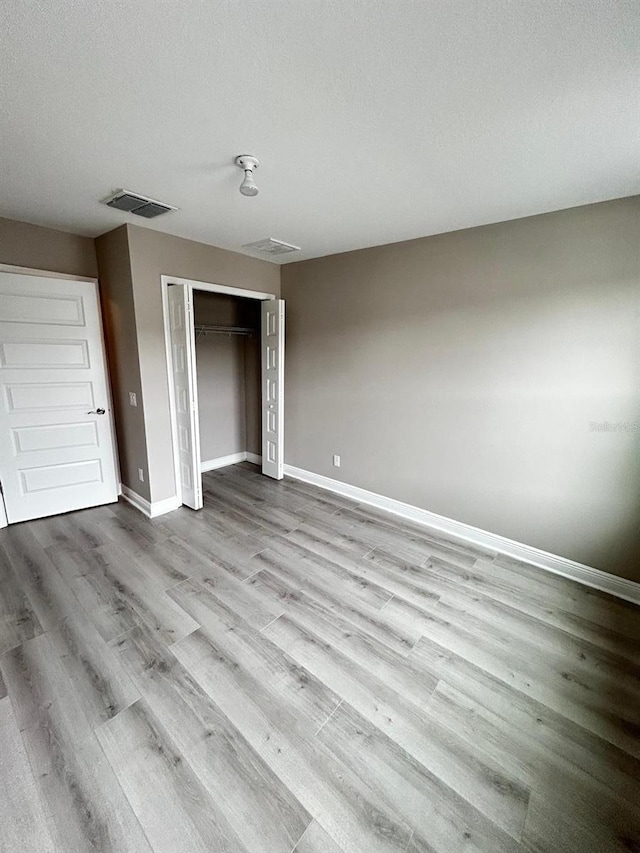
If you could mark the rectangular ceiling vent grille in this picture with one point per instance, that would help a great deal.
(138, 204)
(271, 247)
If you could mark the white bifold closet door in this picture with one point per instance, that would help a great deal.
(57, 444)
(273, 388)
(185, 393)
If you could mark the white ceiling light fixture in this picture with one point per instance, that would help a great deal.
(248, 164)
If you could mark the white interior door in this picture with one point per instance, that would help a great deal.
(57, 447)
(185, 392)
(273, 388)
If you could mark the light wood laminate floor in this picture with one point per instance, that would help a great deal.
(289, 671)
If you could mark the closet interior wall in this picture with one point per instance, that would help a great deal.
(228, 374)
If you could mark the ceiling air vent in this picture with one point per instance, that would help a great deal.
(271, 247)
(138, 204)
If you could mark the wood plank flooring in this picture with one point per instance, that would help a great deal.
(289, 671)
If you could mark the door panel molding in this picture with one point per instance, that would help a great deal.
(57, 455)
(272, 348)
(185, 393)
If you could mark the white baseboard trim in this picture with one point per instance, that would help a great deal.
(223, 461)
(151, 510)
(595, 578)
(231, 459)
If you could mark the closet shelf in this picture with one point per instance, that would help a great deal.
(205, 329)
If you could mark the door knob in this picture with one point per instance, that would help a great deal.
(97, 412)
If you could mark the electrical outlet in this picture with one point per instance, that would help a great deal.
(133, 400)
(336, 461)
(141, 475)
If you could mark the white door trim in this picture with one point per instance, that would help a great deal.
(45, 273)
(208, 287)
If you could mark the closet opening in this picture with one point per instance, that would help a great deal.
(227, 344)
(225, 364)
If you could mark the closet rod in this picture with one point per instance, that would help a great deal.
(204, 329)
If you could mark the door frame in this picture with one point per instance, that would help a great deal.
(207, 287)
(32, 271)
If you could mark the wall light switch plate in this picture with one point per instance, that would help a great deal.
(336, 461)
(141, 475)
(133, 400)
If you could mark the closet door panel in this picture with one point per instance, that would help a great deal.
(185, 393)
(273, 388)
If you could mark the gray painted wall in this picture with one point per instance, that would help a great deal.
(461, 373)
(32, 246)
(116, 289)
(154, 254)
(221, 396)
(227, 401)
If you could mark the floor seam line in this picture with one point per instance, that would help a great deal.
(393, 595)
(257, 572)
(275, 619)
(306, 829)
(329, 717)
(119, 783)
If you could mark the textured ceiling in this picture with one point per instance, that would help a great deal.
(375, 120)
